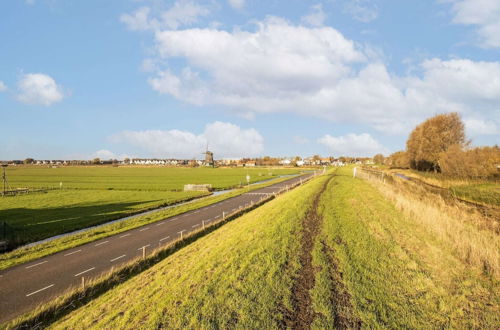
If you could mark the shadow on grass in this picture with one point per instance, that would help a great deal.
(24, 225)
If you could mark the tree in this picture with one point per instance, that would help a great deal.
(29, 161)
(126, 160)
(398, 159)
(378, 159)
(476, 162)
(433, 137)
(96, 161)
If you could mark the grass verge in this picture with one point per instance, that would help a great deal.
(29, 253)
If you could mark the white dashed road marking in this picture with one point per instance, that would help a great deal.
(118, 258)
(85, 271)
(48, 286)
(68, 254)
(40, 263)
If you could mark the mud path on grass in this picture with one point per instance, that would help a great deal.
(302, 315)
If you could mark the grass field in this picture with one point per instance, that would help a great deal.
(135, 178)
(94, 195)
(374, 266)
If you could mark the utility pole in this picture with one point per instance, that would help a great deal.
(4, 177)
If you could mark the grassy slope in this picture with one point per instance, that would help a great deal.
(25, 254)
(396, 273)
(239, 275)
(41, 215)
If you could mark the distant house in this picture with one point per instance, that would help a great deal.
(249, 164)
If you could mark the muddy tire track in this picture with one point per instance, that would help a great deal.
(302, 315)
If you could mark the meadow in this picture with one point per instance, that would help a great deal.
(90, 196)
(374, 265)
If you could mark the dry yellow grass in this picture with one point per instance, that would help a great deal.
(473, 236)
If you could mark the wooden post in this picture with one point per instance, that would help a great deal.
(223, 215)
(203, 224)
(83, 283)
(144, 252)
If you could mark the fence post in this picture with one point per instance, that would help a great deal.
(144, 252)
(203, 224)
(83, 283)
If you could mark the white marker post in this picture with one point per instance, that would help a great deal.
(354, 172)
(83, 283)
(144, 252)
(248, 180)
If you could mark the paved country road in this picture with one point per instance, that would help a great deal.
(23, 287)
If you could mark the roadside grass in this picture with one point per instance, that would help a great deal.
(29, 253)
(136, 178)
(392, 269)
(37, 216)
(237, 276)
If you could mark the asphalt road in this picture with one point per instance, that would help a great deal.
(23, 287)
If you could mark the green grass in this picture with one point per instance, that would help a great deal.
(237, 276)
(95, 195)
(487, 193)
(135, 178)
(393, 270)
(40, 215)
(29, 253)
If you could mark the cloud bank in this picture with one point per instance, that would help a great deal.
(224, 139)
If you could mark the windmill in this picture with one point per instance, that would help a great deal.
(209, 158)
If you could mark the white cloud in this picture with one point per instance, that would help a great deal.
(268, 70)
(182, 13)
(316, 17)
(3, 87)
(362, 10)
(39, 89)
(237, 4)
(475, 127)
(485, 14)
(224, 139)
(353, 145)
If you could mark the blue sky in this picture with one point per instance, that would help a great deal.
(139, 78)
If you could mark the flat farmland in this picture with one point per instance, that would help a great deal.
(135, 178)
(95, 195)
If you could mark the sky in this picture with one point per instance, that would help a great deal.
(248, 78)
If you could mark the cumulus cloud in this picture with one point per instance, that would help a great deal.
(182, 13)
(237, 4)
(3, 87)
(353, 145)
(475, 127)
(484, 14)
(268, 70)
(316, 17)
(39, 89)
(362, 10)
(224, 139)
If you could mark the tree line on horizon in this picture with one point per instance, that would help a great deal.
(439, 144)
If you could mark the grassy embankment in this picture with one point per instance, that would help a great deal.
(26, 254)
(377, 263)
(95, 195)
(481, 191)
(241, 273)
(395, 260)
